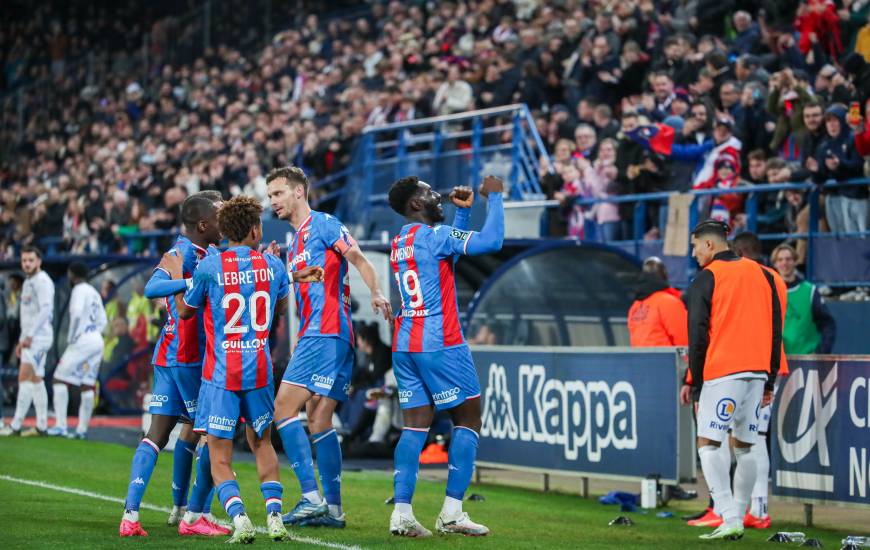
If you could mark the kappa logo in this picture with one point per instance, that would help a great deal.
(817, 404)
(138, 481)
(573, 414)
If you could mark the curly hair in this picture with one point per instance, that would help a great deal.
(401, 192)
(237, 216)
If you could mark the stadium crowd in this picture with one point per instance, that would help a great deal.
(755, 92)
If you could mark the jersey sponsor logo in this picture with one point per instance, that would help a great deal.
(446, 396)
(242, 345)
(221, 423)
(459, 234)
(405, 395)
(725, 409)
(321, 381)
(415, 313)
(304, 256)
(157, 400)
(253, 276)
(264, 418)
(402, 253)
(571, 414)
(190, 405)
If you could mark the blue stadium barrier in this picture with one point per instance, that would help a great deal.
(820, 449)
(444, 151)
(589, 412)
(830, 256)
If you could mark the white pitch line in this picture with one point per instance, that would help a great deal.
(155, 508)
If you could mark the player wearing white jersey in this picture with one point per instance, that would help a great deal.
(80, 363)
(37, 336)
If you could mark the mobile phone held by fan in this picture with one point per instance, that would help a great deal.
(854, 115)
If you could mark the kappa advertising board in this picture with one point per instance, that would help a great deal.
(821, 422)
(594, 413)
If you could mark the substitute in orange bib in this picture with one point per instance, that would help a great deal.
(657, 317)
(735, 342)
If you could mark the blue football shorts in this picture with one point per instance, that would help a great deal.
(323, 365)
(175, 391)
(444, 378)
(220, 410)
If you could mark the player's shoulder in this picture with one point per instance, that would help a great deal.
(449, 232)
(44, 279)
(274, 262)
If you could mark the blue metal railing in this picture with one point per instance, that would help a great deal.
(642, 201)
(444, 151)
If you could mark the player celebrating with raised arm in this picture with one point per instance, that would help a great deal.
(80, 362)
(177, 363)
(431, 359)
(37, 336)
(323, 359)
(239, 292)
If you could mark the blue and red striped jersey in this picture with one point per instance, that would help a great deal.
(324, 307)
(422, 258)
(182, 341)
(237, 292)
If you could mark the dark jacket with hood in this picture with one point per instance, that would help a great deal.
(843, 148)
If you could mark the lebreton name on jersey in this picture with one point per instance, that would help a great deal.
(182, 341)
(236, 292)
(323, 307)
(422, 258)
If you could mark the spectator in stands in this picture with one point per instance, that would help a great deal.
(585, 140)
(599, 177)
(810, 139)
(837, 160)
(455, 95)
(809, 325)
(605, 126)
(657, 316)
(748, 34)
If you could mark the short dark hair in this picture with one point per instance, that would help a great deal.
(213, 194)
(757, 154)
(714, 228)
(32, 250)
(401, 192)
(747, 244)
(197, 207)
(238, 216)
(293, 174)
(79, 270)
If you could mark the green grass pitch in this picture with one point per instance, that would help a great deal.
(41, 517)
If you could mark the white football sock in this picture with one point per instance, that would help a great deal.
(717, 474)
(404, 508)
(744, 480)
(22, 405)
(40, 403)
(335, 510)
(191, 517)
(131, 515)
(86, 409)
(61, 401)
(452, 507)
(313, 496)
(759, 491)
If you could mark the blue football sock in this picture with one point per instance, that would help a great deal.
(406, 463)
(182, 463)
(206, 508)
(203, 485)
(329, 465)
(228, 493)
(144, 460)
(460, 460)
(272, 492)
(298, 451)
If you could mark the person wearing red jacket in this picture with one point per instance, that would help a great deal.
(657, 318)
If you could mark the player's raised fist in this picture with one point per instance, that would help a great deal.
(308, 274)
(171, 263)
(491, 184)
(462, 196)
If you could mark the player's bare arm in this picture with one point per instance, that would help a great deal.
(308, 274)
(281, 306)
(380, 304)
(172, 264)
(462, 196)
